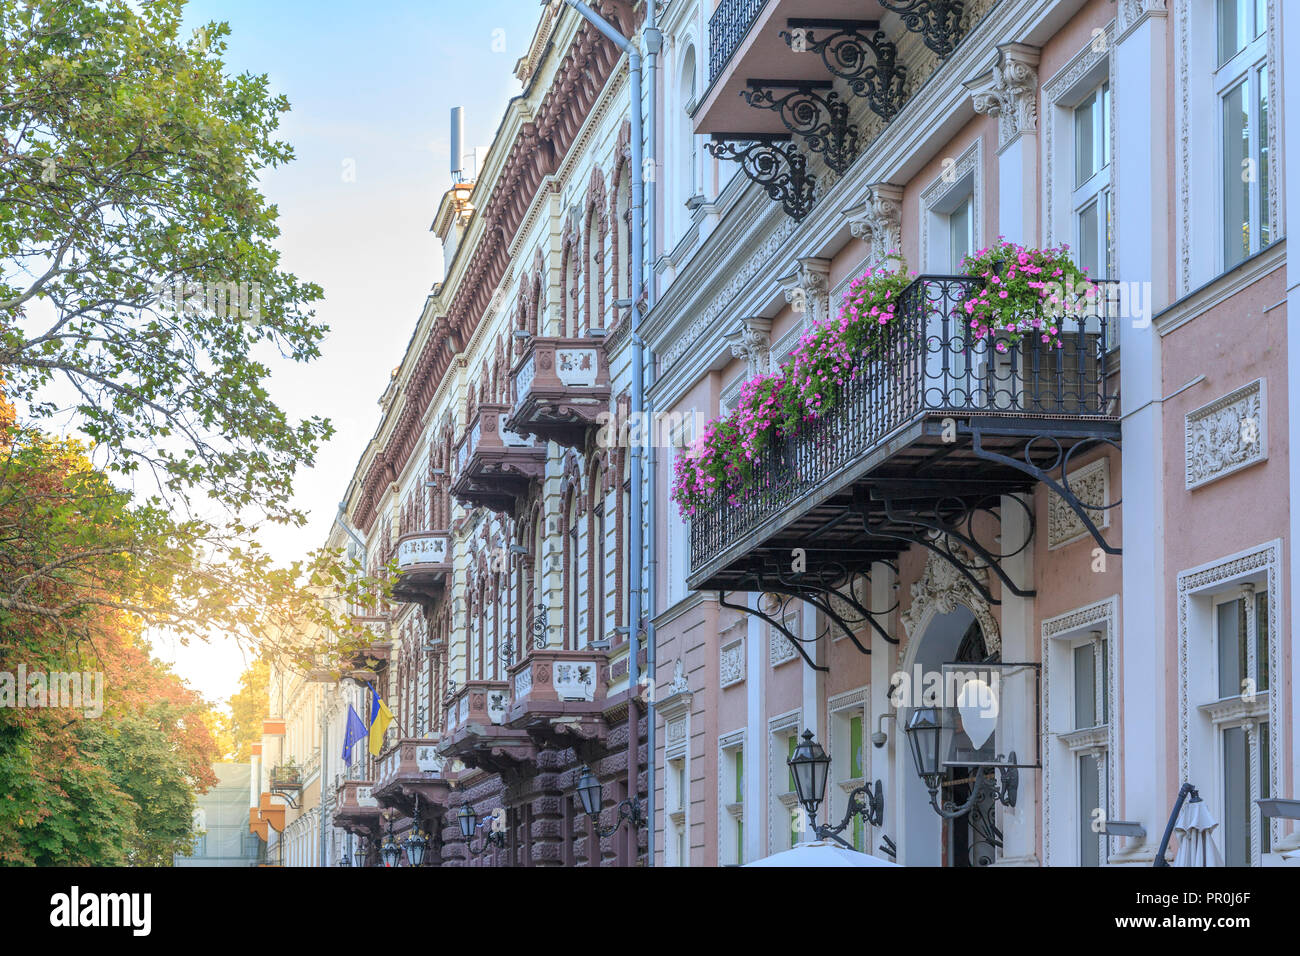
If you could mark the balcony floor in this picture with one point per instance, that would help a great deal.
(912, 474)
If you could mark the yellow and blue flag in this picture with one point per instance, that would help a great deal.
(380, 718)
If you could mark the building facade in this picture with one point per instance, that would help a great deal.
(1099, 530)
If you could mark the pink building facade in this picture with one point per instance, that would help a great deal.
(1104, 534)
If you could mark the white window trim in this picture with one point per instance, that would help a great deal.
(944, 193)
(729, 812)
(780, 802)
(1062, 742)
(840, 709)
(1199, 747)
(1200, 259)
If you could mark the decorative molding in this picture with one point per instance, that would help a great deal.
(1009, 91)
(1227, 435)
(941, 589)
(779, 649)
(808, 289)
(753, 343)
(1133, 12)
(1205, 581)
(731, 662)
(880, 221)
(758, 262)
(1091, 484)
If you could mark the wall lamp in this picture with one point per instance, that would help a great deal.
(469, 822)
(924, 734)
(591, 793)
(810, 766)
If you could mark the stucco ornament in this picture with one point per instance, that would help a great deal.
(753, 343)
(1010, 91)
(941, 589)
(881, 221)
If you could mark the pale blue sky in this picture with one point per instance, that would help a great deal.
(371, 87)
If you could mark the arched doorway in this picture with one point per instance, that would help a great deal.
(948, 622)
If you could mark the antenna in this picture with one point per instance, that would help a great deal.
(457, 139)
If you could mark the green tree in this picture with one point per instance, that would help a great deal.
(249, 706)
(129, 163)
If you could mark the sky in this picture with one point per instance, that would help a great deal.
(371, 88)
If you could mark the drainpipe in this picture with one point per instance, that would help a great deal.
(636, 571)
(654, 43)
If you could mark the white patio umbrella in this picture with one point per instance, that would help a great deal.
(1195, 829)
(820, 853)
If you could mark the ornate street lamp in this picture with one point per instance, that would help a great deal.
(591, 793)
(810, 767)
(345, 858)
(391, 850)
(416, 845)
(360, 852)
(469, 822)
(926, 733)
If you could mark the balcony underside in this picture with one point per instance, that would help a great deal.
(421, 584)
(911, 487)
(559, 416)
(402, 791)
(499, 479)
(763, 53)
(563, 724)
(490, 747)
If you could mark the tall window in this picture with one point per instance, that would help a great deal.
(598, 560)
(575, 584)
(1090, 710)
(1241, 626)
(1093, 213)
(1241, 83)
(688, 176)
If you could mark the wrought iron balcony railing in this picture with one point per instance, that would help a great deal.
(930, 364)
(728, 26)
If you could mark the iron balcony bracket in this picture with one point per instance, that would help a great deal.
(821, 119)
(938, 21)
(772, 162)
(795, 642)
(858, 52)
(947, 529)
(1061, 460)
(815, 589)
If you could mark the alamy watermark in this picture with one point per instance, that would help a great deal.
(224, 300)
(69, 690)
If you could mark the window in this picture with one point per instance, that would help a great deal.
(731, 796)
(960, 240)
(575, 584)
(796, 814)
(1093, 212)
(1241, 84)
(1241, 637)
(857, 771)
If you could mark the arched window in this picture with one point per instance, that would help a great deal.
(595, 274)
(687, 147)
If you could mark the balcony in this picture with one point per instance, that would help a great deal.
(561, 387)
(558, 696)
(411, 771)
(287, 777)
(933, 428)
(363, 661)
(424, 561)
(479, 736)
(356, 809)
(494, 466)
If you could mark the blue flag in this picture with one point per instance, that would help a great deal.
(356, 731)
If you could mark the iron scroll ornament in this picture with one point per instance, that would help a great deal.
(858, 52)
(820, 118)
(775, 164)
(938, 21)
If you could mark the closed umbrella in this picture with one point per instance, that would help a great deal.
(821, 853)
(1195, 829)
